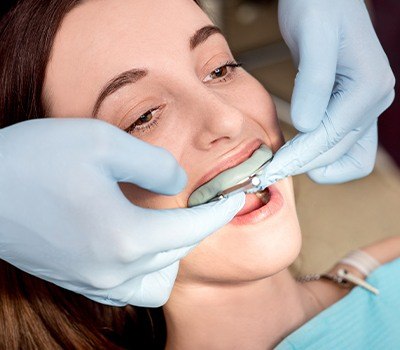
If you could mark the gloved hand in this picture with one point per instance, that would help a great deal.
(64, 219)
(343, 84)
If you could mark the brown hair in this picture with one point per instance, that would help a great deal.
(35, 314)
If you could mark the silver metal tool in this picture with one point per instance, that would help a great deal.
(249, 184)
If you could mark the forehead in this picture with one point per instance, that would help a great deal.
(100, 38)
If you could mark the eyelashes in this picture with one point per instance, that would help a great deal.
(145, 122)
(223, 73)
(150, 119)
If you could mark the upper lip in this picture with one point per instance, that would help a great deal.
(230, 161)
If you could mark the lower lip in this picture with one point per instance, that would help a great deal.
(269, 209)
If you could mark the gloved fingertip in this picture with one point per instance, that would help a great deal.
(278, 169)
(163, 175)
(177, 182)
(310, 99)
(318, 176)
(172, 178)
(237, 202)
(304, 125)
(306, 117)
(338, 173)
(226, 209)
(323, 176)
(233, 204)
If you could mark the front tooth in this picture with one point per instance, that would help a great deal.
(230, 177)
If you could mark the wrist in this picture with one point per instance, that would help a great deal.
(357, 262)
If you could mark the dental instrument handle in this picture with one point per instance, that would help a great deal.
(248, 185)
(252, 184)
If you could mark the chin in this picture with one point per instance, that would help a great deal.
(242, 261)
(244, 253)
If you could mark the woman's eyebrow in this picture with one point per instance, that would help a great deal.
(116, 83)
(202, 35)
(134, 75)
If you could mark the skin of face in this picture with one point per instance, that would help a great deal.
(200, 118)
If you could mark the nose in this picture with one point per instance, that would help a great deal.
(218, 120)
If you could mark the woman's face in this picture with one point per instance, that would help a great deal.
(153, 68)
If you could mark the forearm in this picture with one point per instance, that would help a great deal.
(383, 251)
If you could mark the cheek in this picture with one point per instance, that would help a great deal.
(257, 104)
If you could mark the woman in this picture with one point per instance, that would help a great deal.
(161, 71)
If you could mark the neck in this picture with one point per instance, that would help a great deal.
(252, 315)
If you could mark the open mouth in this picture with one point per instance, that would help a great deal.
(264, 195)
(237, 179)
(255, 201)
(260, 206)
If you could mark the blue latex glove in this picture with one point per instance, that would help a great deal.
(63, 217)
(343, 84)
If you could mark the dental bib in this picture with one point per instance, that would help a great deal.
(230, 177)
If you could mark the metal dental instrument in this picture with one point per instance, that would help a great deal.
(250, 184)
